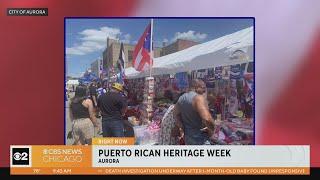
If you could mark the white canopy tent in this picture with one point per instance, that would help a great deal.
(235, 48)
(72, 82)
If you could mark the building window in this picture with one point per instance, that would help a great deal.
(130, 56)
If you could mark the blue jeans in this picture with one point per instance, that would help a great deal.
(195, 137)
(112, 128)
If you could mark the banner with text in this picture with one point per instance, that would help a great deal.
(134, 159)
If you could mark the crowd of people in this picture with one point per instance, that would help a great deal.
(191, 118)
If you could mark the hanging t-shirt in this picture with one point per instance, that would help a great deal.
(226, 72)
(235, 72)
(218, 73)
(233, 104)
(210, 73)
(243, 69)
(182, 80)
(248, 89)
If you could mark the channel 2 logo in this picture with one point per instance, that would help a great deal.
(20, 156)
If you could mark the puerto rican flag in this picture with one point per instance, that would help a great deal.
(141, 56)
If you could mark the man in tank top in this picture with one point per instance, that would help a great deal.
(193, 112)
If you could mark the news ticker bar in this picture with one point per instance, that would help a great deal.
(136, 159)
(162, 171)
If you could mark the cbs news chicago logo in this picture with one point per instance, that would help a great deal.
(20, 156)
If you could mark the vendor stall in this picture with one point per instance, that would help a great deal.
(222, 64)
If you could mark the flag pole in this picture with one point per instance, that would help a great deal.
(151, 48)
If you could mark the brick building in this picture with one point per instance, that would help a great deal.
(111, 53)
(178, 45)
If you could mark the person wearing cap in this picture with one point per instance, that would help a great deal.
(113, 106)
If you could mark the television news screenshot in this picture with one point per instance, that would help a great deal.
(171, 87)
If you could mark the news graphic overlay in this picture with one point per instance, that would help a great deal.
(27, 11)
(119, 156)
(20, 156)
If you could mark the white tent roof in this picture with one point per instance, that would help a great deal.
(217, 52)
(131, 72)
(73, 82)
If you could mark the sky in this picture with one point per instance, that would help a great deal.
(85, 39)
